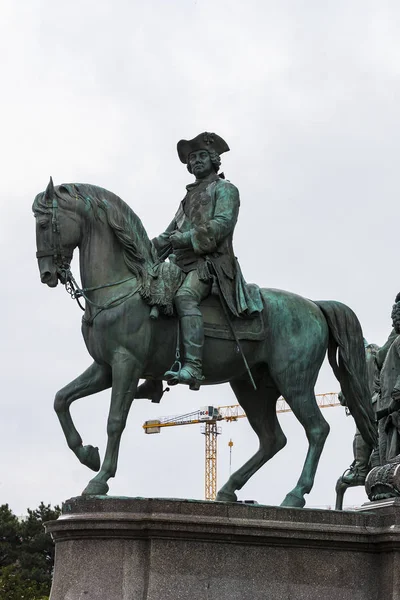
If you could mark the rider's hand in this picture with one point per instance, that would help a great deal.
(178, 240)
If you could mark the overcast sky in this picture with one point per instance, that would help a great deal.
(306, 94)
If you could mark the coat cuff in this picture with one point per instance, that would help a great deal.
(187, 239)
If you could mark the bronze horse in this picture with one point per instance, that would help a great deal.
(116, 261)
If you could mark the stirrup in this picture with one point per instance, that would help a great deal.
(353, 477)
(188, 374)
(172, 375)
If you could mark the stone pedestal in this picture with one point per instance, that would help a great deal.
(149, 549)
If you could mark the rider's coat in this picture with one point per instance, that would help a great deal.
(207, 217)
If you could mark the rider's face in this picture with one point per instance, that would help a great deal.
(200, 164)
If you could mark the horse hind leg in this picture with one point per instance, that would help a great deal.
(95, 379)
(260, 408)
(305, 408)
(340, 490)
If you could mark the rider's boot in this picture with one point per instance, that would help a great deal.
(193, 340)
(360, 467)
(192, 330)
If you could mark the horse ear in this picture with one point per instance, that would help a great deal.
(49, 193)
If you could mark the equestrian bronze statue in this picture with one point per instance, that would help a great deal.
(265, 343)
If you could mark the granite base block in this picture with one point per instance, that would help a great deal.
(152, 549)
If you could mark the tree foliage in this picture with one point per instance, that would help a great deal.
(26, 554)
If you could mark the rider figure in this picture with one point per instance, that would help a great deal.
(200, 240)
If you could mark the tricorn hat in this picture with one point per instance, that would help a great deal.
(203, 141)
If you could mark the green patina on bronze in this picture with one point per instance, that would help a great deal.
(124, 278)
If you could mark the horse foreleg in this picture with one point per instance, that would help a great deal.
(125, 376)
(95, 379)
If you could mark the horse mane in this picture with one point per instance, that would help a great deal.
(40, 205)
(138, 251)
(159, 282)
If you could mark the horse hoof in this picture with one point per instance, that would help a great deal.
(95, 488)
(293, 501)
(90, 457)
(226, 497)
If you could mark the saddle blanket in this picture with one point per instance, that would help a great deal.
(217, 326)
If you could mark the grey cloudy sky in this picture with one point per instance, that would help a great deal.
(307, 95)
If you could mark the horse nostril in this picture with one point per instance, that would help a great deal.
(45, 277)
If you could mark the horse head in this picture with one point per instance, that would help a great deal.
(57, 234)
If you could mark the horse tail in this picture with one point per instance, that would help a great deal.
(349, 365)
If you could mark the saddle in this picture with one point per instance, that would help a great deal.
(217, 326)
(159, 291)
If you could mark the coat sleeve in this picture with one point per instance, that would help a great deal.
(382, 352)
(162, 243)
(206, 238)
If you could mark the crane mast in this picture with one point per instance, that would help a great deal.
(211, 432)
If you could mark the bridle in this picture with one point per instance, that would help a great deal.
(62, 261)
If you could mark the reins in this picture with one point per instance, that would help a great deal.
(76, 293)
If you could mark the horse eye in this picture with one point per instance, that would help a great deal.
(43, 224)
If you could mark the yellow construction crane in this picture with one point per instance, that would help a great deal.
(208, 417)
